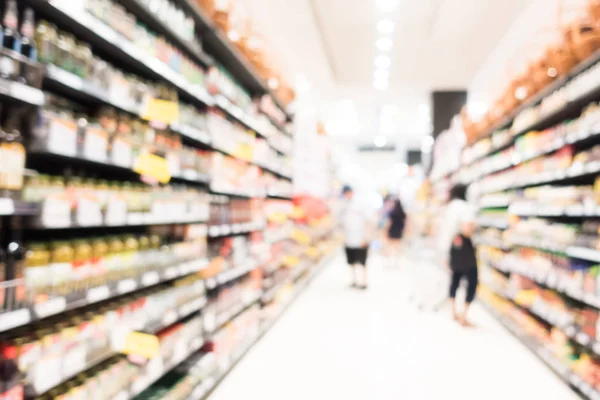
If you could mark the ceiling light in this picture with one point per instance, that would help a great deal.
(273, 83)
(521, 93)
(384, 44)
(387, 5)
(233, 35)
(382, 61)
(382, 74)
(380, 84)
(380, 141)
(552, 72)
(423, 108)
(385, 26)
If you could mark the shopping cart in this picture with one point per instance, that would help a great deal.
(429, 279)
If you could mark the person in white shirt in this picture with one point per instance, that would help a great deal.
(457, 248)
(359, 229)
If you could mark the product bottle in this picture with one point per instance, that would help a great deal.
(12, 152)
(28, 47)
(15, 263)
(11, 378)
(10, 25)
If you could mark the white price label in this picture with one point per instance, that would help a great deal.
(13, 319)
(169, 318)
(7, 206)
(50, 307)
(98, 294)
(171, 273)
(126, 286)
(150, 278)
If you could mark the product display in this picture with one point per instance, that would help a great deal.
(532, 168)
(138, 181)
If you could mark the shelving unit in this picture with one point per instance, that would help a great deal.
(538, 210)
(168, 254)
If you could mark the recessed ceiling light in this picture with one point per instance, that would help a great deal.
(380, 141)
(423, 108)
(552, 72)
(384, 44)
(386, 5)
(380, 84)
(385, 26)
(382, 74)
(382, 61)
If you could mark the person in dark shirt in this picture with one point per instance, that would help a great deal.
(394, 229)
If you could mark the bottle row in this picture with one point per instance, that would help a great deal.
(74, 64)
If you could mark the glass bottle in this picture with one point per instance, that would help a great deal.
(28, 47)
(10, 25)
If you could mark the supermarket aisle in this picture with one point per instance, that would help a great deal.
(337, 343)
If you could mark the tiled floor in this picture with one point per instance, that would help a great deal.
(338, 343)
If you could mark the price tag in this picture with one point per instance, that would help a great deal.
(150, 278)
(50, 307)
(7, 206)
(153, 166)
(126, 286)
(145, 345)
(98, 294)
(169, 318)
(158, 110)
(27, 93)
(13, 319)
(171, 272)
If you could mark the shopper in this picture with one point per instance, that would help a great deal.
(394, 229)
(359, 227)
(456, 231)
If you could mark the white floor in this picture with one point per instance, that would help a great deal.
(339, 343)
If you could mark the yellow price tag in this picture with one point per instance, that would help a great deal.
(141, 344)
(158, 110)
(301, 237)
(153, 166)
(297, 213)
(243, 151)
(312, 252)
(277, 217)
(290, 261)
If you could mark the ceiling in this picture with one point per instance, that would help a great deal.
(437, 44)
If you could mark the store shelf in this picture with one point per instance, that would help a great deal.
(497, 223)
(560, 369)
(17, 91)
(536, 243)
(235, 229)
(149, 17)
(76, 87)
(550, 280)
(90, 29)
(158, 367)
(219, 46)
(549, 89)
(227, 191)
(231, 274)
(584, 253)
(59, 304)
